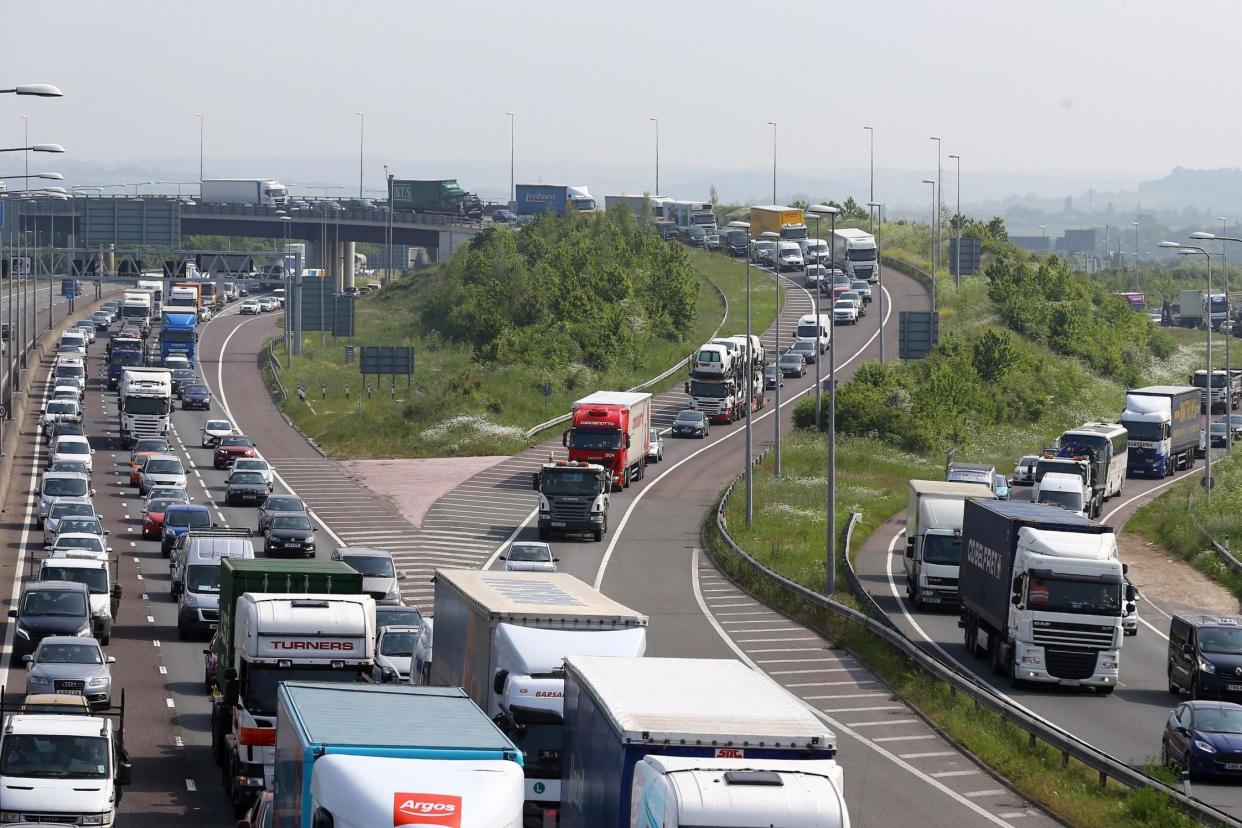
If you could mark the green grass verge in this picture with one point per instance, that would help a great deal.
(1070, 791)
(457, 407)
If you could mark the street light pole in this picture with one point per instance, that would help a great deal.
(26, 141)
(362, 130)
(871, 133)
(1192, 250)
(830, 563)
(512, 145)
(773, 125)
(932, 182)
(1224, 267)
(939, 197)
(879, 264)
(656, 121)
(200, 146)
(957, 228)
(750, 398)
(776, 464)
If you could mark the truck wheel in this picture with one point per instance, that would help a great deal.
(597, 534)
(996, 649)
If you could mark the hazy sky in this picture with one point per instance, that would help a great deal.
(1118, 88)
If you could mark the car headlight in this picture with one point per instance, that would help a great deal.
(98, 681)
(189, 600)
(1206, 666)
(40, 680)
(1203, 746)
(97, 819)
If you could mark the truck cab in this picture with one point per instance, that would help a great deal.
(573, 497)
(934, 539)
(1068, 491)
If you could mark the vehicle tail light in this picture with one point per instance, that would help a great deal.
(257, 736)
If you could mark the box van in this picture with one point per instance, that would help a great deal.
(972, 473)
(815, 328)
(1205, 656)
(196, 577)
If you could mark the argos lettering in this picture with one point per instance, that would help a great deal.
(426, 809)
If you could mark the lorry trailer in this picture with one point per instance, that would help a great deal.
(612, 429)
(1162, 425)
(265, 191)
(534, 199)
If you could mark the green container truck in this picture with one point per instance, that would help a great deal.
(444, 197)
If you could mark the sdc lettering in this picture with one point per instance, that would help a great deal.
(340, 646)
(426, 809)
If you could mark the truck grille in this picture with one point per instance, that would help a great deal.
(709, 407)
(1143, 453)
(1071, 664)
(579, 510)
(50, 819)
(1089, 637)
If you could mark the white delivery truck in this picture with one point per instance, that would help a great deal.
(145, 403)
(855, 251)
(153, 283)
(934, 538)
(136, 307)
(678, 742)
(504, 636)
(265, 191)
(816, 328)
(403, 756)
(87, 568)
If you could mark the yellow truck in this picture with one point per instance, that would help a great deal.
(788, 222)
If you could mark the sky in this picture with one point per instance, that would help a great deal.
(1036, 93)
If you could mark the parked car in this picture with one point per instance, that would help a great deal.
(656, 452)
(196, 397)
(72, 665)
(793, 364)
(691, 423)
(1201, 737)
(529, 556)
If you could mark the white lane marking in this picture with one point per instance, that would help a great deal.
(840, 727)
(170, 702)
(189, 784)
(625, 518)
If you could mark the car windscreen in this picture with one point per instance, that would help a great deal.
(1220, 640)
(83, 525)
(160, 504)
(400, 644)
(1071, 595)
(91, 544)
(284, 504)
(193, 518)
(526, 552)
(1218, 720)
(246, 479)
(65, 486)
(202, 578)
(49, 756)
(62, 408)
(942, 549)
(72, 447)
(235, 441)
(1066, 500)
(155, 466)
(150, 445)
(292, 522)
(373, 566)
(54, 602)
(595, 439)
(64, 510)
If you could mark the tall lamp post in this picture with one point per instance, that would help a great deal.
(512, 146)
(773, 125)
(200, 145)
(1192, 250)
(939, 196)
(957, 227)
(1222, 238)
(750, 398)
(830, 563)
(871, 134)
(879, 264)
(656, 121)
(817, 211)
(932, 182)
(362, 130)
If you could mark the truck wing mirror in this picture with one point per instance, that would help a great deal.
(910, 551)
(124, 772)
(498, 684)
(1017, 585)
(534, 481)
(565, 438)
(178, 588)
(12, 613)
(1131, 593)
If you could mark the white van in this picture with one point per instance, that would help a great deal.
(789, 256)
(72, 341)
(1064, 490)
(714, 360)
(86, 568)
(196, 577)
(815, 327)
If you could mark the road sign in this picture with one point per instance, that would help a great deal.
(972, 249)
(918, 333)
(386, 359)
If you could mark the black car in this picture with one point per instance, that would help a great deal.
(183, 378)
(1205, 656)
(1204, 738)
(196, 396)
(289, 535)
(49, 608)
(771, 376)
(690, 423)
(245, 487)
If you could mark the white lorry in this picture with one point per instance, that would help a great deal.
(63, 768)
(1043, 593)
(264, 191)
(856, 252)
(153, 283)
(402, 756)
(145, 402)
(934, 538)
(504, 636)
(677, 742)
(136, 307)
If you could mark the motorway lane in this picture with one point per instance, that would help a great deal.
(1127, 724)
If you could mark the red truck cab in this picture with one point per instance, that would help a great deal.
(611, 429)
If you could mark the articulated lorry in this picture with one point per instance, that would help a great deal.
(678, 742)
(1226, 389)
(533, 199)
(179, 335)
(264, 191)
(504, 636)
(402, 756)
(1043, 594)
(136, 307)
(786, 222)
(855, 251)
(280, 620)
(642, 207)
(153, 283)
(145, 403)
(1163, 425)
(184, 297)
(612, 429)
(573, 497)
(934, 510)
(684, 214)
(443, 197)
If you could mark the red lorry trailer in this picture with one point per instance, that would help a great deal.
(612, 429)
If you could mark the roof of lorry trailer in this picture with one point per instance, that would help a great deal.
(544, 595)
(428, 716)
(951, 487)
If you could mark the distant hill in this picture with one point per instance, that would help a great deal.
(1220, 189)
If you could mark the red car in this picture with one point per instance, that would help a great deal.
(153, 517)
(230, 448)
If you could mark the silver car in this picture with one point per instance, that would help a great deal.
(72, 665)
(529, 556)
(161, 470)
(213, 430)
(70, 507)
(379, 577)
(656, 453)
(61, 485)
(394, 654)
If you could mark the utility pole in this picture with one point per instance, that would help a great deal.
(879, 264)
(750, 399)
(656, 121)
(938, 204)
(512, 148)
(871, 133)
(957, 227)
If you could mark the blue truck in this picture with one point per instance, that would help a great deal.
(119, 359)
(1163, 427)
(690, 742)
(534, 199)
(402, 756)
(179, 335)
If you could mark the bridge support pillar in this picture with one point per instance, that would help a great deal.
(314, 256)
(347, 265)
(449, 241)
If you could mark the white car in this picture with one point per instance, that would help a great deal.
(58, 410)
(74, 525)
(85, 327)
(250, 306)
(256, 464)
(855, 297)
(267, 303)
(529, 556)
(394, 654)
(844, 311)
(79, 544)
(656, 453)
(73, 447)
(67, 392)
(213, 431)
(161, 470)
(204, 314)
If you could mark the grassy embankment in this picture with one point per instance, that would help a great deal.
(461, 406)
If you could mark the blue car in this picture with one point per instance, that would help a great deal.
(180, 519)
(196, 396)
(504, 216)
(1204, 738)
(1001, 487)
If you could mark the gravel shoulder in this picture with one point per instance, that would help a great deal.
(1170, 583)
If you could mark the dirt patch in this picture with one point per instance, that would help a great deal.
(413, 485)
(1170, 583)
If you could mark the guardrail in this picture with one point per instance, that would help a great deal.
(1221, 550)
(275, 366)
(916, 273)
(1069, 746)
(533, 430)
